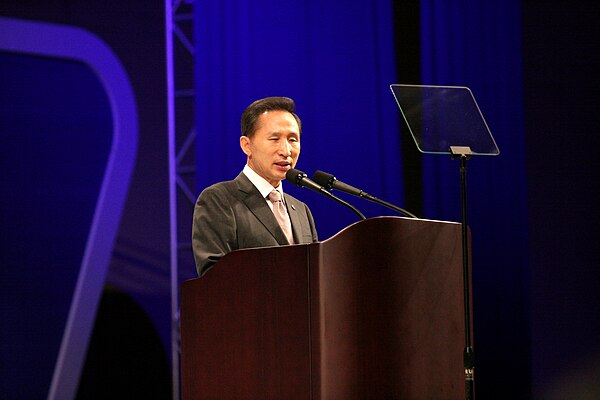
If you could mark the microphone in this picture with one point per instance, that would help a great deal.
(330, 182)
(300, 179)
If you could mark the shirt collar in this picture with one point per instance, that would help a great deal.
(263, 186)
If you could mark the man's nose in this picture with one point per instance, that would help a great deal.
(286, 148)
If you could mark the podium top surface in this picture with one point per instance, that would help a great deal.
(357, 228)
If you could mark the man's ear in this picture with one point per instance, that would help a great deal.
(245, 145)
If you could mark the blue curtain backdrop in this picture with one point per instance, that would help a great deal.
(477, 44)
(336, 59)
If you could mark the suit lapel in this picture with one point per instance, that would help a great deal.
(258, 206)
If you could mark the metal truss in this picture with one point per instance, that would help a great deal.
(180, 51)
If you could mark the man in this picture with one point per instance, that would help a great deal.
(239, 214)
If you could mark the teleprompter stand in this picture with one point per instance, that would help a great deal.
(447, 120)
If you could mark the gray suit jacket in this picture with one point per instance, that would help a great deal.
(233, 215)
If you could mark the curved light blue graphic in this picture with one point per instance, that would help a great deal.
(75, 44)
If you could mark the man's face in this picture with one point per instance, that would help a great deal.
(275, 146)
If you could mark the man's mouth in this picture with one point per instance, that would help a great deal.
(284, 164)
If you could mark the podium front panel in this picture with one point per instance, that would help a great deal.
(390, 311)
(245, 327)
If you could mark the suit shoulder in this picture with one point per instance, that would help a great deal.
(220, 187)
(237, 188)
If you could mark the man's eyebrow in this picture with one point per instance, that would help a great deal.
(284, 133)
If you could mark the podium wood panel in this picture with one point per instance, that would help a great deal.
(245, 327)
(373, 312)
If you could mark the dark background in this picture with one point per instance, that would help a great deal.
(536, 326)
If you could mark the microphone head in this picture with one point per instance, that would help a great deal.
(324, 179)
(295, 176)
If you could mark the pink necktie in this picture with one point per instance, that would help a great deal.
(281, 215)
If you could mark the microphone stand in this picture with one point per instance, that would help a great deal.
(350, 206)
(463, 153)
(300, 179)
(330, 182)
(374, 199)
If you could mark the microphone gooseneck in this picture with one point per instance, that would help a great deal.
(329, 182)
(300, 179)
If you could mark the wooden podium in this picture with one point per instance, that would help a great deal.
(375, 312)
